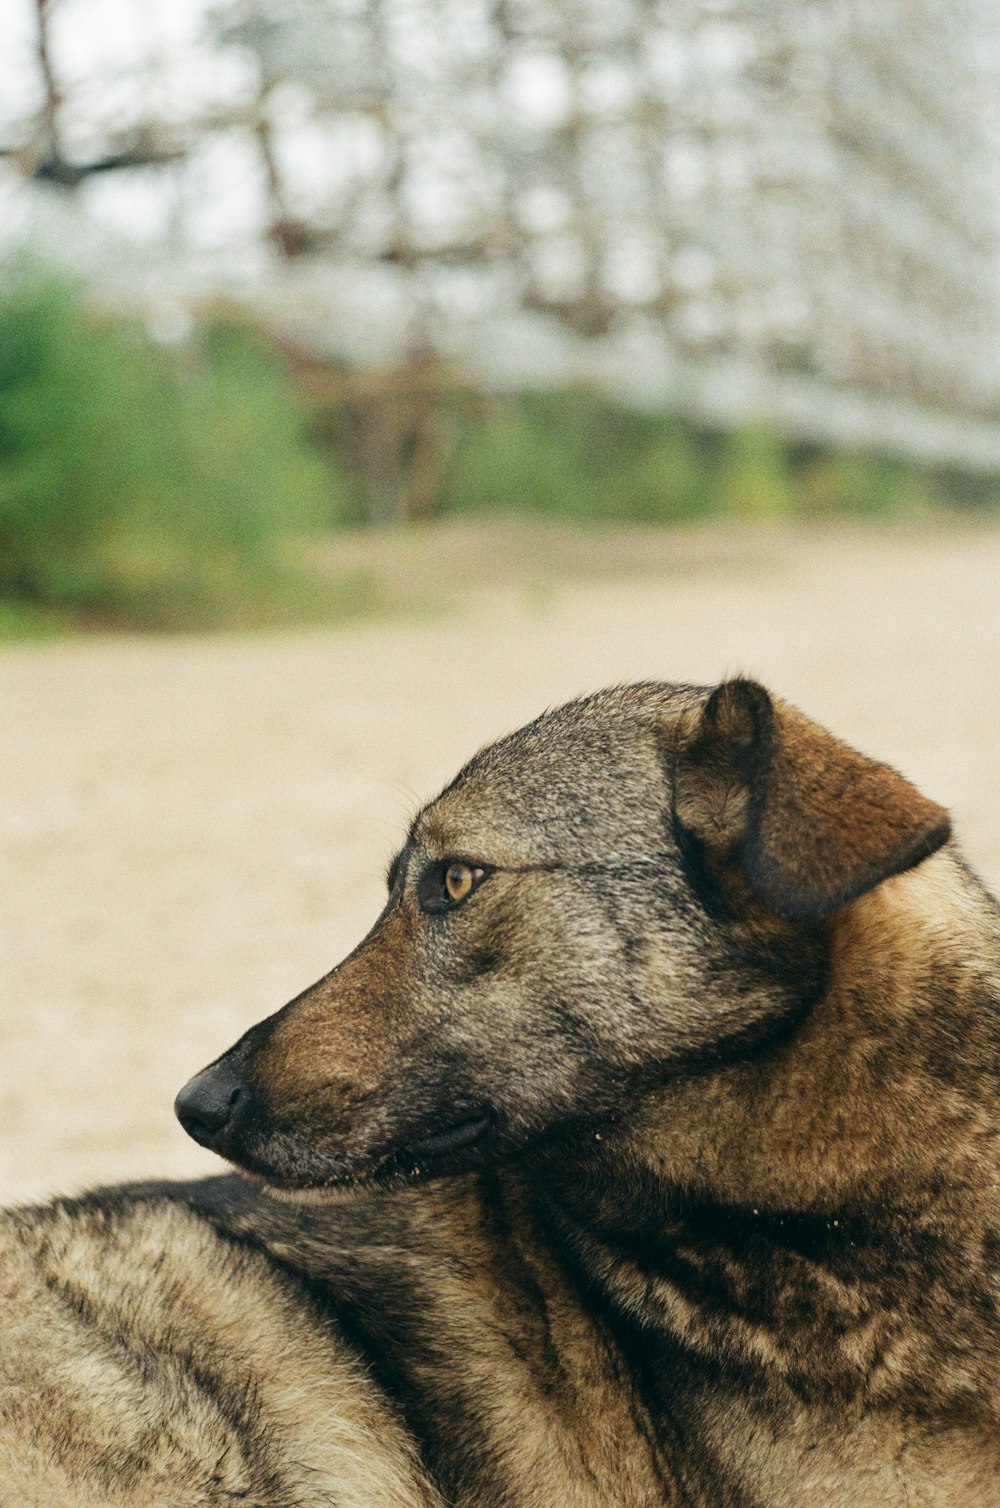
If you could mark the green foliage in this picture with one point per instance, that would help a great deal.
(576, 456)
(510, 465)
(139, 483)
(161, 486)
(665, 482)
(753, 480)
(573, 455)
(865, 486)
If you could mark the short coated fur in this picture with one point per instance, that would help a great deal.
(644, 1153)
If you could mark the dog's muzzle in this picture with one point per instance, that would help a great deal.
(207, 1104)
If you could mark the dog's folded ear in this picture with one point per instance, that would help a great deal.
(769, 802)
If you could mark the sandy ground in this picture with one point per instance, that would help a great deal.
(191, 830)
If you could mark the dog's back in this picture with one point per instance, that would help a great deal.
(148, 1361)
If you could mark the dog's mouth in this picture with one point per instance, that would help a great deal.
(457, 1146)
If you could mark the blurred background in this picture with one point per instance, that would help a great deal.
(376, 372)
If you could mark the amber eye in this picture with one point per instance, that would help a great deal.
(448, 884)
(458, 881)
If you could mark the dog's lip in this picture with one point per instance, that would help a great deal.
(452, 1139)
(438, 1151)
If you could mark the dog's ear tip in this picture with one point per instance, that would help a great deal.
(815, 898)
(738, 691)
(738, 709)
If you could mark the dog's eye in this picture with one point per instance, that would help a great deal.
(459, 880)
(445, 885)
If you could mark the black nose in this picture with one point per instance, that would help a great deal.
(206, 1103)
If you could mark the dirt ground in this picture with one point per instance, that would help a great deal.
(191, 830)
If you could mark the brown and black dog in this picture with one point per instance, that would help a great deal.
(645, 1152)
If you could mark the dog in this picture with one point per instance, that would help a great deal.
(645, 1152)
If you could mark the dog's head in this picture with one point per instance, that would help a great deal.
(632, 885)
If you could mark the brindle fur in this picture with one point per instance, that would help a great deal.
(726, 1005)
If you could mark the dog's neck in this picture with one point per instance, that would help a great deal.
(818, 1210)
